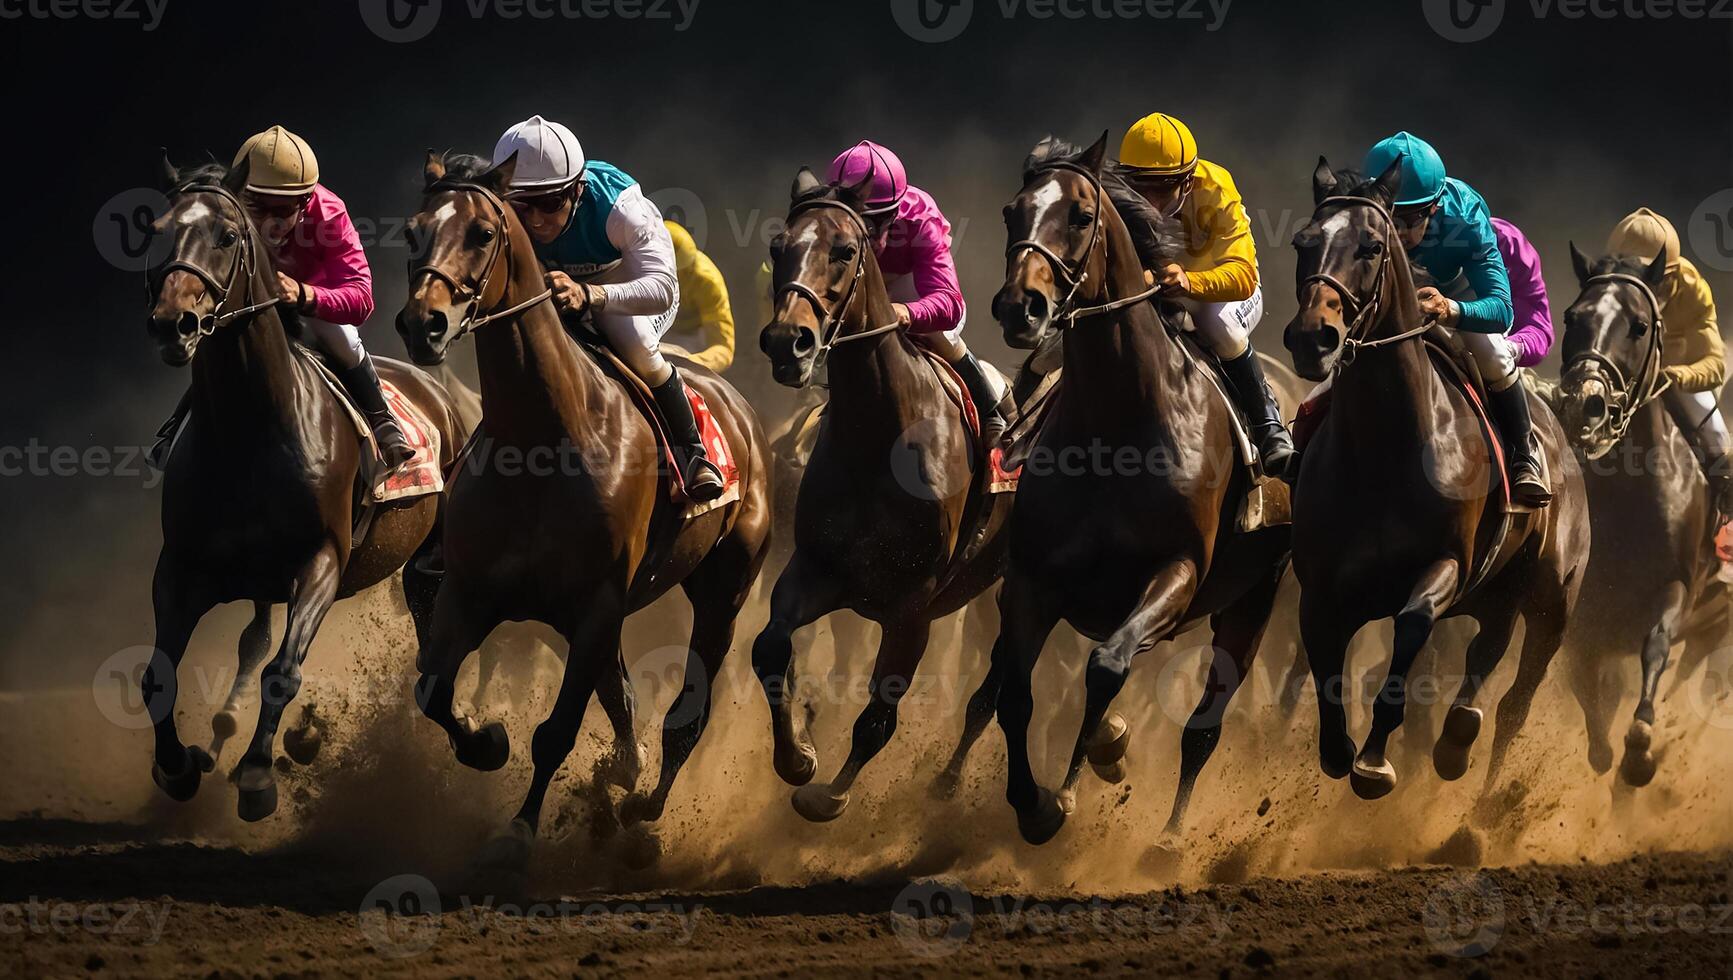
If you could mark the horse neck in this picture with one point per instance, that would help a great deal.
(873, 380)
(244, 377)
(1385, 397)
(1127, 350)
(536, 385)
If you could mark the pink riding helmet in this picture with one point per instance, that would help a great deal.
(868, 160)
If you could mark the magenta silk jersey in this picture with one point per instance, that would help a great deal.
(917, 244)
(324, 252)
(1531, 330)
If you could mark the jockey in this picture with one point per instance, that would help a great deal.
(1691, 350)
(1216, 278)
(322, 272)
(912, 241)
(1531, 312)
(609, 257)
(704, 312)
(1446, 229)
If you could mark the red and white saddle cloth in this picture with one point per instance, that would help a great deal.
(418, 477)
(715, 446)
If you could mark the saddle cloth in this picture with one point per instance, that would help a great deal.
(418, 477)
(999, 478)
(715, 444)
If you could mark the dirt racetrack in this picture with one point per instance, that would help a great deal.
(1280, 869)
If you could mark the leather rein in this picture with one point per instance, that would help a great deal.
(1363, 313)
(1629, 394)
(830, 318)
(240, 271)
(1073, 276)
(473, 318)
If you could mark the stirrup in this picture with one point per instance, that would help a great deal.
(703, 479)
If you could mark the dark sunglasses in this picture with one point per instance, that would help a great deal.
(542, 203)
(284, 208)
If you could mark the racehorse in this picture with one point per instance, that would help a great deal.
(894, 519)
(1397, 510)
(1652, 583)
(260, 493)
(1129, 552)
(590, 534)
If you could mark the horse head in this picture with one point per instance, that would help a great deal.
(818, 262)
(462, 249)
(1344, 252)
(1611, 348)
(212, 253)
(1053, 226)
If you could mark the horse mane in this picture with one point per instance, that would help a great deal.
(465, 166)
(1157, 238)
(850, 198)
(207, 176)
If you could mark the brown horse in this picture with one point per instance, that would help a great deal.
(259, 495)
(1652, 582)
(589, 535)
(1397, 511)
(893, 520)
(1131, 548)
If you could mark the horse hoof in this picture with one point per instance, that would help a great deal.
(509, 850)
(627, 766)
(224, 724)
(945, 786)
(640, 850)
(1372, 782)
(1335, 756)
(1067, 800)
(796, 764)
(1601, 758)
(639, 808)
(818, 804)
(254, 805)
(302, 744)
(183, 785)
(1113, 773)
(486, 749)
(1162, 860)
(1450, 754)
(1040, 822)
(1109, 742)
(1638, 768)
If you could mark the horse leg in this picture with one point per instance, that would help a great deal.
(1543, 629)
(250, 654)
(1027, 616)
(310, 598)
(1238, 629)
(1638, 767)
(1588, 677)
(1373, 776)
(1164, 601)
(421, 589)
(979, 711)
(620, 703)
(797, 600)
(455, 633)
(1324, 641)
(901, 646)
(178, 606)
(1462, 723)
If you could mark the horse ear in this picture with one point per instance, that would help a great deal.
(166, 172)
(1324, 182)
(1579, 264)
(805, 182)
(499, 178)
(1390, 181)
(1096, 155)
(434, 169)
(1656, 273)
(236, 181)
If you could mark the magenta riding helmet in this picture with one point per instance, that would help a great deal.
(868, 161)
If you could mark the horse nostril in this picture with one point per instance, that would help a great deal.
(804, 342)
(1034, 308)
(1595, 407)
(187, 324)
(1328, 341)
(437, 325)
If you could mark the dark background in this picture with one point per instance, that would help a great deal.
(1564, 126)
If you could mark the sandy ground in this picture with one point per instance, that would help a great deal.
(1280, 868)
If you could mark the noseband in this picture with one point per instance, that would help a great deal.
(1074, 276)
(1628, 395)
(830, 318)
(240, 271)
(476, 290)
(1363, 312)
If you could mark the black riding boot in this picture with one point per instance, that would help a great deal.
(165, 434)
(702, 477)
(985, 397)
(1253, 396)
(362, 383)
(1510, 410)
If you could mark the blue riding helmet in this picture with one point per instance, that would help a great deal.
(1422, 169)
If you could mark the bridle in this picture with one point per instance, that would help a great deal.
(1628, 394)
(830, 318)
(472, 318)
(240, 271)
(1070, 275)
(1363, 313)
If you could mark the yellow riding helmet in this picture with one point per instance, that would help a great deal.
(1645, 234)
(1159, 144)
(278, 162)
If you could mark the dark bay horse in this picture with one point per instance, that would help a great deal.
(1397, 511)
(1651, 580)
(588, 535)
(893, 519)
(1132, 548)
(259, 494)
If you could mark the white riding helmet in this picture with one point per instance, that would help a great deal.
(549, 157)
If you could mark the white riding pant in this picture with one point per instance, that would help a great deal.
(1226, 328)
(638, 339)
(1699, 414)
(1493, 354)
(339, 341)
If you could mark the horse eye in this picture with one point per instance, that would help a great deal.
(1081, 219)
(228, 239)
(484, 234)
(842, 253)
(1369, 250)
(1304, 239)
(1639, 328)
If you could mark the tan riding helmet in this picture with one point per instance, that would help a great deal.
(279, 162)
(1645, 234)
